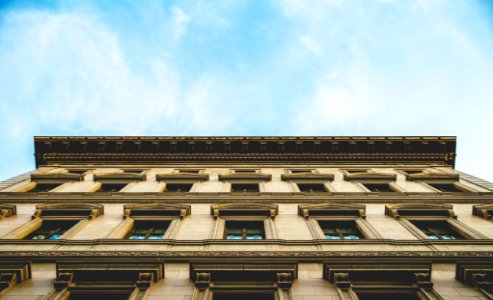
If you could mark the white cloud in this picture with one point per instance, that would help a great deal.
(180, 21)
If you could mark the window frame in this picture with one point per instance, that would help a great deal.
(431, 213)
(266, 277)
(244, 212)
(313, 213)
(42, 214)
(409, 277)
(172, 213)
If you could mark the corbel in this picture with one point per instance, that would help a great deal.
(341, 281)
(63, 280)
(423, 280)
(284, 280)
(145, 281)
(203, 280)
(7, 280)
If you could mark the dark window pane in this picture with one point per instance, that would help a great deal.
(178, 187)
(387, 295)
(111, 187)
(247, 230)
(450, 188)
(437, 230)
(378, 187)
(42, 187)
(51, 230)
(300, 171)
(340, 230)
(148, 230)
(244, 296)
(244, 188)
(312, 187)
(92, 295)
(185, 171)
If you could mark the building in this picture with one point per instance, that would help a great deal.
(215, 218)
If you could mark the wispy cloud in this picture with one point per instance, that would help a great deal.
(235, 67)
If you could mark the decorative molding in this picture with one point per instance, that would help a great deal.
(69, 210)
(309, 176)
(118, 178)
(244, 209)
(54, 178)
(7, 210)
(439, 150)
(171, 177)
(433, 176)
(156, 210)
(332, 209)
(478, 274)
(239, 177)
(484, 211)
(12, 272)
(370, 176)
(367, 276)
(419, 210)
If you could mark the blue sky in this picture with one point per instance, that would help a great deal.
(281, 67)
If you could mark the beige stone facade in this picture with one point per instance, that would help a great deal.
(266, 217)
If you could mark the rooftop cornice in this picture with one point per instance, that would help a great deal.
(155, 149)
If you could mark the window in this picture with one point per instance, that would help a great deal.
(340, 230)
(244, 188)
(178, 187)
(148, 230)
(300, 171)
(152, 221)
(266, 280)
(44, 187)
(484, 211)
(189, 171)
(7, 210)
(111, 187)
(244, 221)
(381, 280)
(246, 230)
(446, 187)
(245, 171)
(312, 187)
(378, 187)
(105, 279)
(431, 221)
(51, 230)
(337, 221)
(247, 295)
(56, 221)
(437, 230)
(478, 274)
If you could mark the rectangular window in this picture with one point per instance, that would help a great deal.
(245, 171)
(300, 171)
(340, 230)
(312, 187)
(51, 230)
(244, 188)
(97, 294)
(111, 187)
(178, 187)
(243, 296)
(148, 230)
(189, 171)
(448, 187)
(437, 230)
(387, 295)
(44, 187)
(378, 187)
(244, 230)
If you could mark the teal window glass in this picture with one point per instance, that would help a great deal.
(51, 230)
(148, 230)
(247, 230)
(340, 230)
(437, 230)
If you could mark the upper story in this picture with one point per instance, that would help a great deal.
(207, 167)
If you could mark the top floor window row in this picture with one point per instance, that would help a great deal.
(247, 180)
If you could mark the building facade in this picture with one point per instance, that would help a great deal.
(215, 218)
